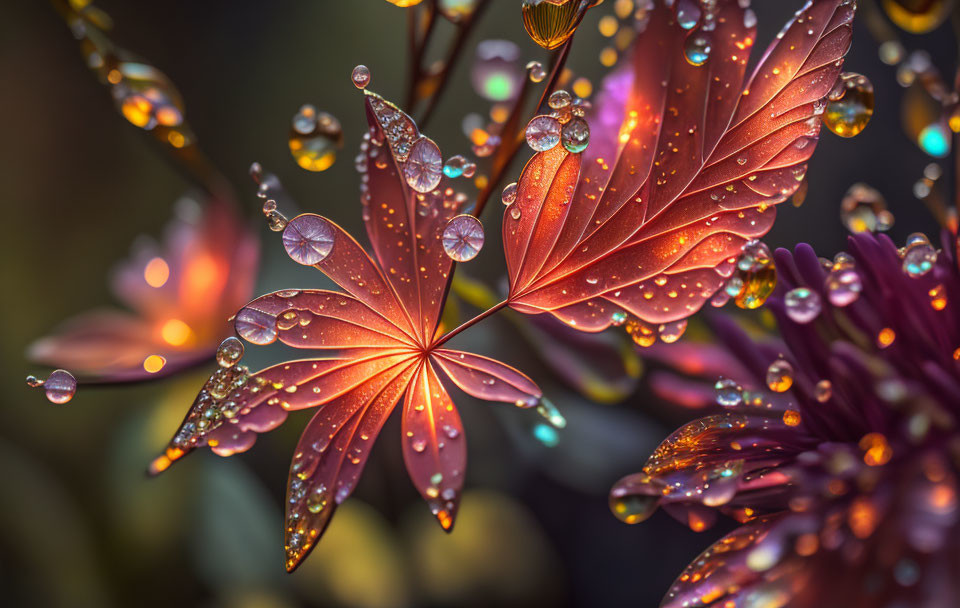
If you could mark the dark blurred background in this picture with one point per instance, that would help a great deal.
(80, 525)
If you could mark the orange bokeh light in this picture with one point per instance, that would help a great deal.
(156, 272)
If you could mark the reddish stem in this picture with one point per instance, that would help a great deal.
(470, 323)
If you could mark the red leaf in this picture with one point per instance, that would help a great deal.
(663, 205)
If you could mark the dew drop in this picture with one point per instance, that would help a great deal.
(255, 326)
(308, 239)
(843, 286)
(360, 76)
(454, 166)
(559, 99)
(424, 165)
(728, 392)
(575, 135)
(919, 256)
(780, 376)
(515, 211)
(59, 388)
(536, 71)
(230, 352)
(802, 305)
(671, 332)
(696, 49)
(633, 508)
(462, 238)
(509, 194)
(850, 105)
(863, 209)
(543, 133)
(688, 14)
(314, 139)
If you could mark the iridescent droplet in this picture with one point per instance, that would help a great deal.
(308, 239)
(728, 392)
(671, 332)
(755, 287)
(919, 256)
(697, 49)
(633, 507)
(755, 257)
(850, 105)
(780, 376)
(453, 168)
(424, 165)
(843, 286)
(462, 238)
(230, 352)
(543, 133)
(509, 193)
(802, 304)
(559, 99)
(255, 326)
(360, 76)
(575, 135)
(59, 388)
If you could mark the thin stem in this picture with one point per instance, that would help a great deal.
(452, 57)
(470, 323)
(418, 49)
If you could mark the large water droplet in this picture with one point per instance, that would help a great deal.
(230, 352)
(308, 239)
(850, 105)
(360, 76)
(780, 376)
(255, 326)
(59, 388)
(543, 133)
(802, 304)
(575, 135)
(424, 165)
(462, 238)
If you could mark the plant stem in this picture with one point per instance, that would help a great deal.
(470, 323)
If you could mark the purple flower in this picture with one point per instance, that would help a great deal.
(838, 448)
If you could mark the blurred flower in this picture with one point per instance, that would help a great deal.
(837, 448)
(181, 295)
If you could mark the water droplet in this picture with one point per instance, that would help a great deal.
(780, 376)
(802, 304)
(754, 287)
(697, 49)
(550, 23)
(418, 445)
(642, 334)
(536, 71)
(360, 76)
(59, 388)
(550, 413)
(308, 239)
(823, 391)
(559, 99)
(543, 133)
(688, 14)
(255, 326)
(509, 194)
(633, 508)
(462, 238)
(755, 257)
(792, 418)
(423, 166)
(850, 105)
(317, 500)
(843, 286)
(575, 135)
(728, 392)
(864, 209)
(919, 256)
(314, 139)
(453, 168)
(514, 211)
(230, 352)
(671, 332)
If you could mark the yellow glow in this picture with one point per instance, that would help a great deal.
(886, 337)
(153, 364)
(175, 332)
(608, 25)
(156, 272)
(608, 57)
(137, 109)
(200, 276)
(582, 87)
(176, 139)
(877, 452)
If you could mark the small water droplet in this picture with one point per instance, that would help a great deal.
(823, 391)
(59, 388)
(509, 194)
(863, 209)
(728, 392)
(802, 304)
(536, 71)
(697, 49)
(671, 332)
(230, 352)
(514, 211)
(453, 168)
(919, 256)
(559, 99)
(780, 376)
(843, 286)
